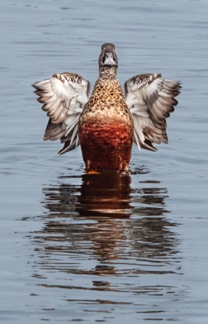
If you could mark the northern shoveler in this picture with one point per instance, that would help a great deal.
(106, 123)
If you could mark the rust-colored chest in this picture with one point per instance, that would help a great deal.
(105, 128)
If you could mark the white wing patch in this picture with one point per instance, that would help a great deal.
(63, 98)
(150, 99)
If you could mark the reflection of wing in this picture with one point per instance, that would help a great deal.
(63, 98)
(150, 99)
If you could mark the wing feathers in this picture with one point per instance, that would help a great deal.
(63, 98)
(53, 132)
(151, 99)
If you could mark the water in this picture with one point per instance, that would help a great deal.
(100, 248)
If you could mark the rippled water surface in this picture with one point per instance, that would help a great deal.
(103, 248)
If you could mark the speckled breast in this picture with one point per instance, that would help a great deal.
(105, 129)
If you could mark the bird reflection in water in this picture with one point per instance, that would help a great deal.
(136, 225)
(107, 235)
(105, 194)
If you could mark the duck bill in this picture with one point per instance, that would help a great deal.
(109, 59)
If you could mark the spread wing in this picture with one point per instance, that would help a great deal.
(63, 98)
(151, 99)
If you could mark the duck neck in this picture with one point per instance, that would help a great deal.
(108, 72)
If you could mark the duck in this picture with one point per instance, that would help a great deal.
(108, 121)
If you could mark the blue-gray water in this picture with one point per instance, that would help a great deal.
(88, 248)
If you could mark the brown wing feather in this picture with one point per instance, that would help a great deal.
(63, 98)
(151, 99)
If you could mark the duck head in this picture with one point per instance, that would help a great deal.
(108, 61)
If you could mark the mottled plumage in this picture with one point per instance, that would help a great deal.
(106, 123)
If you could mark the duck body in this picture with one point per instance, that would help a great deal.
(106, 128)
(108, 121)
